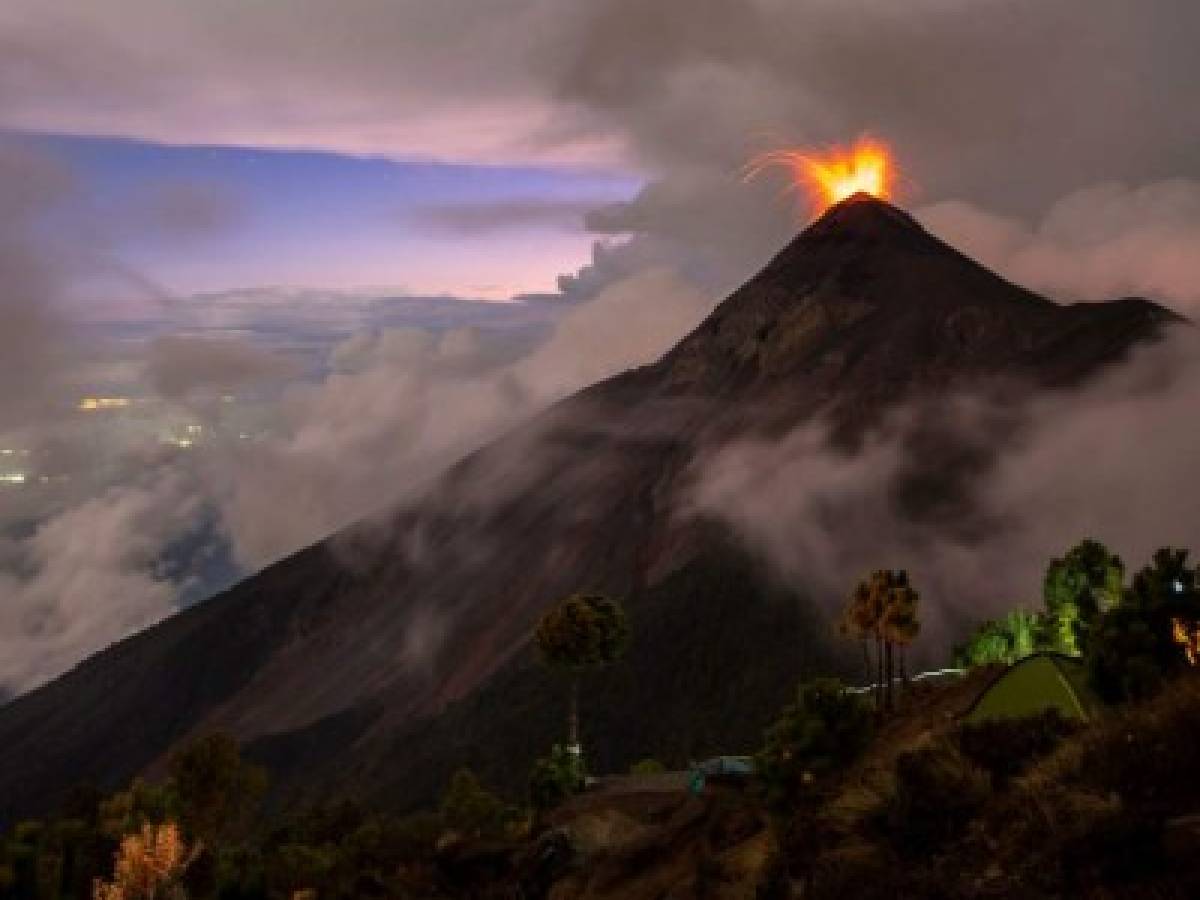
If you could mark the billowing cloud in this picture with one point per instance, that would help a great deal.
(401, 405)
(1110, 461)
(87, 577)
(1103, 242)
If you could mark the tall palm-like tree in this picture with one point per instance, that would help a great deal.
(900, 624)
(862, 620)
(858, 624)
(882, 609)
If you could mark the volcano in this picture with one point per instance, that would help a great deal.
(381, 659)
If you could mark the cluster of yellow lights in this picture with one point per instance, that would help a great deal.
(827, 178)
(1187, 636)
(89, 404)
(12, 478)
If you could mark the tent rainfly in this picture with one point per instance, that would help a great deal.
(1033, 685)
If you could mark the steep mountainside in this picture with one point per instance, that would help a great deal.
(385, 655)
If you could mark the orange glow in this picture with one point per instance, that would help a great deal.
(1188, 637)
(866, 167)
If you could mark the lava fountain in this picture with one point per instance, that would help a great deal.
(827, 178)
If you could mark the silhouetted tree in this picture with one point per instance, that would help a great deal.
(901, 624)
(470, 808)
(582, 632)
(882, 609)
(216, 790)
(1136, 644)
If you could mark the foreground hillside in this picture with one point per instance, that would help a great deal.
(1039, 809)
(385, 657)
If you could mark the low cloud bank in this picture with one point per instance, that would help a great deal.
(1114, 461)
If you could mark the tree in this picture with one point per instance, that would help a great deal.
(882, 609)
(1077, 588)
(582, 632)
(900, 623)
(470, 808)
(148, 866)
(822, 732)
(1136, 644)
(858, 622)
(1001, 640)
(216, 790)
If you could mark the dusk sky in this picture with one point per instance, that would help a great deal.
(246, 216)
(266, 229)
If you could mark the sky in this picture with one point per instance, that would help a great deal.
(388, 230)
(221, 218)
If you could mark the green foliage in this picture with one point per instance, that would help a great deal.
(648, 766)
(823, 731)
(470, 809)
(1001, 640)
(217, 792)
(937, 791)
(127, 811)
(1004, 747)
(583, 631)
(1079, 587)
(555, 778)
(1133, 646)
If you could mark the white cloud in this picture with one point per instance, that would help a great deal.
(1112, 461)
(87, 577)
(1106, 241)
(402, 405)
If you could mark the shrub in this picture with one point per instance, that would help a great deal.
(647, 766)
(1005, 747)
(555, 778)
(937, 792)
(823, 731)
(470, 808)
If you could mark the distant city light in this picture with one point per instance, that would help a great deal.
(12, 478)
(88, 404)
(194, 429)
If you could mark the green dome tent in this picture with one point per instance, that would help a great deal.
(1035, 684)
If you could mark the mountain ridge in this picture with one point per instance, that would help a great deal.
(355, 649)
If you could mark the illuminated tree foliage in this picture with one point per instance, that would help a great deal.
(1002, 641)
(1077, 589)
(148, 866)
(582, 632)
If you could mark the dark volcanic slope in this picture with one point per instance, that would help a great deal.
(382, 657)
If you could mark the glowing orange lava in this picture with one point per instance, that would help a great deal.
(866, 167)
